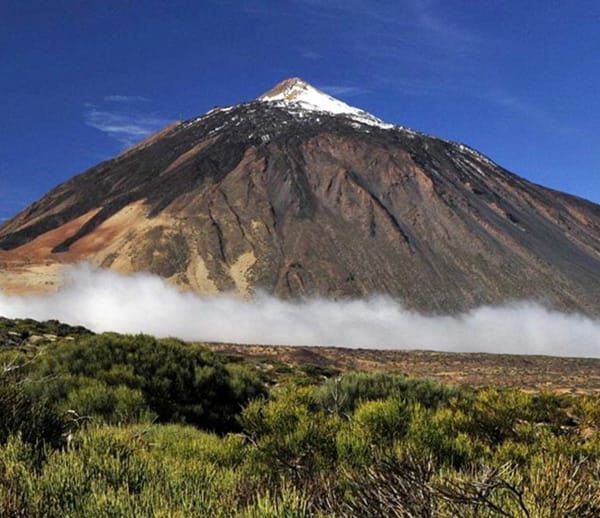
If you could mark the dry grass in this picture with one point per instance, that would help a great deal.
(530, 373)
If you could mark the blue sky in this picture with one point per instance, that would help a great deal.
(80, 80)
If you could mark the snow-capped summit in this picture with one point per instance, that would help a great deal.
(296, 94)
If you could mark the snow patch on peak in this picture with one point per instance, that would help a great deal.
(296, 94)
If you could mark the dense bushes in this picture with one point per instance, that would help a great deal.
(122, 378)
(344, 393)
(289, 439)
(33, 419)
(100, 426)
(178, 471)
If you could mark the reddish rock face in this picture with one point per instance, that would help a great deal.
(300, 203)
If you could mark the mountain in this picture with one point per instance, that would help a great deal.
(297, 194)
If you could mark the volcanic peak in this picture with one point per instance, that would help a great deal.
(295, 94)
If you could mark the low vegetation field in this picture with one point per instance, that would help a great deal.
(131, 426)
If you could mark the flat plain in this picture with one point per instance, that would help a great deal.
(529, 373)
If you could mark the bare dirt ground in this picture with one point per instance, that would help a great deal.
(531, 373)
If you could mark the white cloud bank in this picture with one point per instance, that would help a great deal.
(106, 301)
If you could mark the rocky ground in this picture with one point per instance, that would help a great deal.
(532, 373)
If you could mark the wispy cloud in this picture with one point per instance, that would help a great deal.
(127, 128)
(310, 54)
(444, 57)
(345, 90)
(412, 23)
(116, 118)
(408, 47)
(125, 99)
(527, 110)
(444, 31)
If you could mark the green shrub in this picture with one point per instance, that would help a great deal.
(381, 422)
(439, 434)
(587, 411)
(287, 502)
(289, 439)
(115, 376)
(20, 413)
(343, 394)
(18, 462)
(114, 404)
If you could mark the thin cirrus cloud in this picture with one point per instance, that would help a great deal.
(407, 25)
(310, 54)
(421, 35)
(123, 123)
(528, 111)
(346, 90)
(125, 98)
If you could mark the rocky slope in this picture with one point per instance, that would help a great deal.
(299, 194)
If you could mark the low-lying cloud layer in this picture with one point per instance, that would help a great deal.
(106, 301)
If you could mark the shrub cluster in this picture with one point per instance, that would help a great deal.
(124, 378)
(115, 425)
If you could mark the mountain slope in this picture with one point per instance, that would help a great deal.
(299, 194)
